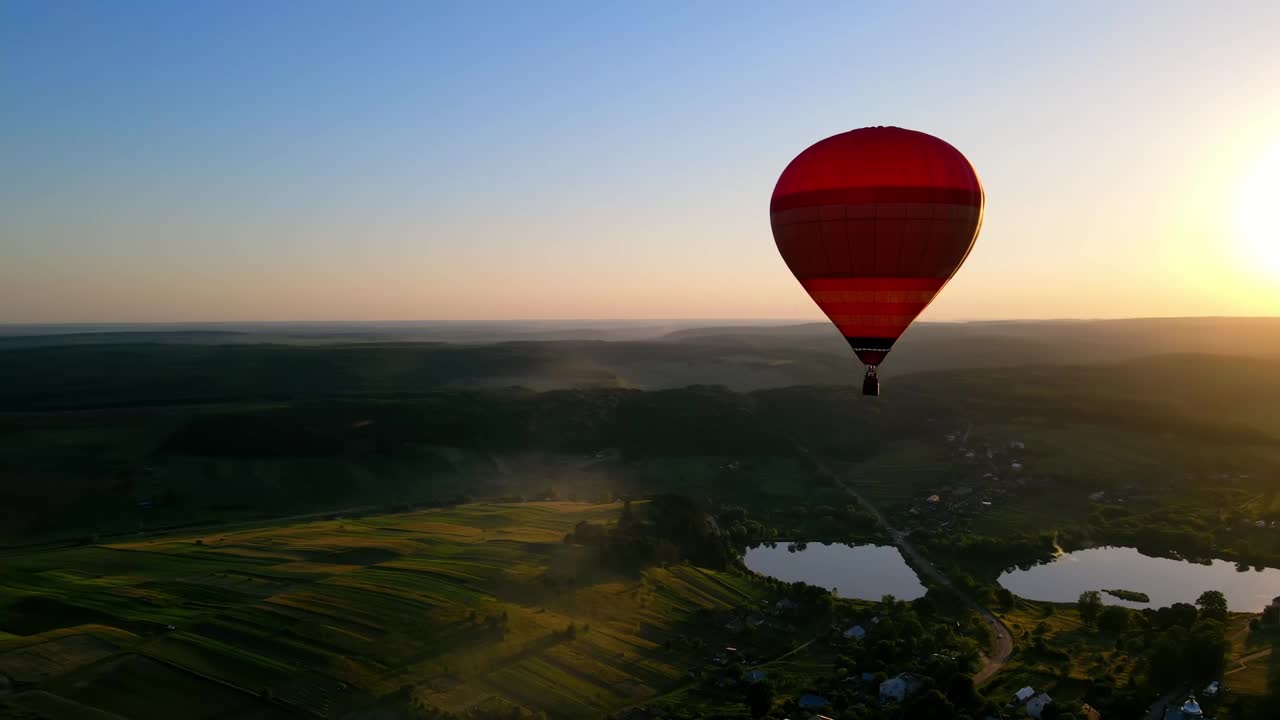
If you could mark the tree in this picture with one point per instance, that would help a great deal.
(1113, 620)
(759, 698)
(933, 705)
(960, 691)
(1206, 651)
(1089, 604)
(1213, 605)
(1052, 711)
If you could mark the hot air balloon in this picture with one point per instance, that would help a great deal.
(873, 223)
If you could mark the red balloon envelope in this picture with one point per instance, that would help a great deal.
(873, 223)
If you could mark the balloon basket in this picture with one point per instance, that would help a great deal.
(871, 383)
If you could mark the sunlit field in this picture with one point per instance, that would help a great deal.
(466, 607)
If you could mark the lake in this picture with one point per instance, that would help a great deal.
(1166, 581)
(867, 572)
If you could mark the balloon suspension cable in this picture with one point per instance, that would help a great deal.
(871, 383)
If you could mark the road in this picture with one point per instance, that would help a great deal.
(1173, 698)
(1002, 643)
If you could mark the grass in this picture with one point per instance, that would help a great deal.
(903, 472)
(38, 705)
(135, 686)
(54, 656)
(1252, 680)
(302, 609)
(1086, 652)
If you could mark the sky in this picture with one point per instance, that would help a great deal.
(223, 161)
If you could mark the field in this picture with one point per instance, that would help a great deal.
(457, 608)
(903, 472)
(1065, 674)
(277, 541)
(1077, 656)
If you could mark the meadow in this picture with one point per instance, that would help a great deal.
(473, 606)
(316, 543)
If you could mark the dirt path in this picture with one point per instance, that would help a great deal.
(1242, 661)
(789, 653)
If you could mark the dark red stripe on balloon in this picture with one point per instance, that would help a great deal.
(882, 326)
(872, 309)
(821, 284)
(881, 194)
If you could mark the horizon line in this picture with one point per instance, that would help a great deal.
(563, 321)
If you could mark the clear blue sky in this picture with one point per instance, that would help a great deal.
(420, 160)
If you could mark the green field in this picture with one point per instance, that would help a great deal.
(326, 617)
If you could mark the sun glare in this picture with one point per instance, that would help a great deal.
(1258, 212)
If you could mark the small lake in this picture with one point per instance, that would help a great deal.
(1166, 581)
(866, 572)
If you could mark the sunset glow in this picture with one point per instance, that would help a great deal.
(1258, 213)
(580, 173)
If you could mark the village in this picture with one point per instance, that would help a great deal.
(743, 655)
(987, 476)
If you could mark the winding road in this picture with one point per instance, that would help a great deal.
(1002, 642)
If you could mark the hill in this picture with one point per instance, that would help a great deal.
(265, 432)
(167, 366)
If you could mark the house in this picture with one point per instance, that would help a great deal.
(933, 499)
(899, 687)
(1023, 695)
(1190, 709)
(1037, 704)
(755, 676)
(809, 701)
(1089, 713)
(855, 633)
